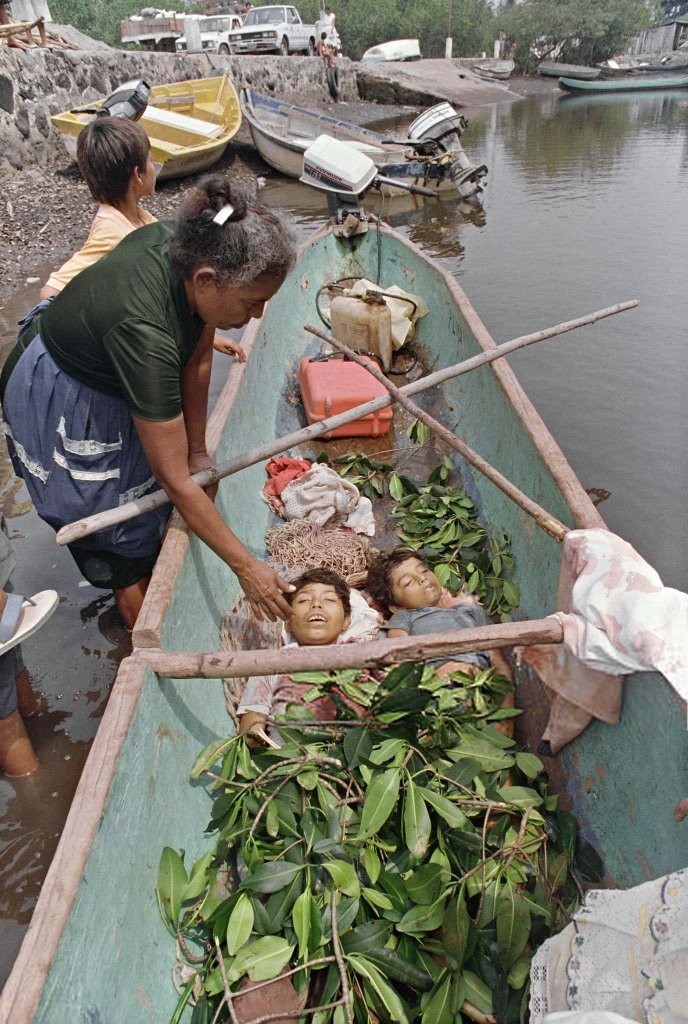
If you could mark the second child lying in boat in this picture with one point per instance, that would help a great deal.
(324, 611)
(406, 588)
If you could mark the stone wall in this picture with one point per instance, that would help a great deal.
(35, 85)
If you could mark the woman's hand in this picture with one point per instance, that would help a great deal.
(229, 348)
(199, 461)
(265, 591)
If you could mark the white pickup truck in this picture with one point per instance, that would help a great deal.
(214, 33)
(273, 30)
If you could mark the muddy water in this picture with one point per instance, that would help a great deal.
(585, 206)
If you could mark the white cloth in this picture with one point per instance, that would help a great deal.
(623, 619)
(587, 1017)
(625, 951)
(320, 496)
(362, 519)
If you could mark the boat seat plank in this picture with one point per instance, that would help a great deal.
(183, 121)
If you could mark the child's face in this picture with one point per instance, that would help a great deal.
(317, 615)
(414, 585)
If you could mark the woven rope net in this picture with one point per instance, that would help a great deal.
(308, 546)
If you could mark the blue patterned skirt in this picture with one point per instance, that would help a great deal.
(79, 453)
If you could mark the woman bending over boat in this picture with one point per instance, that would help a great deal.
(110, 399)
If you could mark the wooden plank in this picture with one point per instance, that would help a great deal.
(372, 654)
(22, 992)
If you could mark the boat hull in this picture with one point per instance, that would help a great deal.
(630, 84)
(499, 70)
(189, 124)
(554, 70)
(284, 149)
(96, 948)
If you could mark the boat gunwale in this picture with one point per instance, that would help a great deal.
(24, 987)
(25, 984)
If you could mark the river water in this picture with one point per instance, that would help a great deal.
(586, 205)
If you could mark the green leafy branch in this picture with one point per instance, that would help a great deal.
(400, 869)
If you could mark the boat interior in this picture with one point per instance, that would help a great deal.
(136, 796)
(301, 126)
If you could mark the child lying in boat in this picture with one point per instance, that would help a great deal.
(407, 589)
(324, 611)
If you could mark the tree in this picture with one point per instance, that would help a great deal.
(99, 19)
(582, 31)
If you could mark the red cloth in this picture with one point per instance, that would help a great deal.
(282, 470)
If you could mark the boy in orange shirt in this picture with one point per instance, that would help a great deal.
(114, 157)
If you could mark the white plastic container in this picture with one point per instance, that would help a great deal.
(364, 324)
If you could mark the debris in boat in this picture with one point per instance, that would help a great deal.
(307, 545)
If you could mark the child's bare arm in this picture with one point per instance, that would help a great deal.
(392, 633)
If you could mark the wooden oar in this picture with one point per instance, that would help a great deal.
(113, 516)
(371, 654)
(549, 523)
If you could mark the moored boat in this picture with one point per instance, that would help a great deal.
(282, 132)
(631, 83)
(397, 49)
(499, 69)
(552, 69)
(189, 124)
(96, 949)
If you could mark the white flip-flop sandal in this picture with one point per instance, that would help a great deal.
(23, 616)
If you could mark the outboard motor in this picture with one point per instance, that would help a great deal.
(345, 175)
(439, 129)
(129, 100)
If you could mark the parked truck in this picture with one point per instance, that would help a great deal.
(276, 29)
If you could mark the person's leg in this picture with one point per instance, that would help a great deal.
(129, 600)
(17, 756)
(27, 701)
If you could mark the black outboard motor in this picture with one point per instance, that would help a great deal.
(129, 100)
(439, 129)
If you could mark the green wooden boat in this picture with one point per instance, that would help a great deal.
(632, 83)
(96, 950)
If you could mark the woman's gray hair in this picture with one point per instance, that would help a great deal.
(219, 226)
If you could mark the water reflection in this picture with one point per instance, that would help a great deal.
(438, 227)
(587, 133)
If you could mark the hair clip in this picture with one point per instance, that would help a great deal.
(223, 215)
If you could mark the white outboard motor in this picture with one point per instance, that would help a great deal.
(345, 175)
(440, 128)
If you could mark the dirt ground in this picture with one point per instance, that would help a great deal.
(45, 212)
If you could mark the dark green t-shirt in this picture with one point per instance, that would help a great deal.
(123, 326)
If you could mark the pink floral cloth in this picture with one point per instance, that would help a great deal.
(617, 618)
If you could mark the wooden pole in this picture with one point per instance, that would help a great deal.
(372, 654)
(114, 516)
(549, 523)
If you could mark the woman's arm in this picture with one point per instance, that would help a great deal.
(195, 385)
(167, 447)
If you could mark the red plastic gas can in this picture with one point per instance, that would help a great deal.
(331, 386)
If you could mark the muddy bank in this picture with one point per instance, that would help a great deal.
(45, 212)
